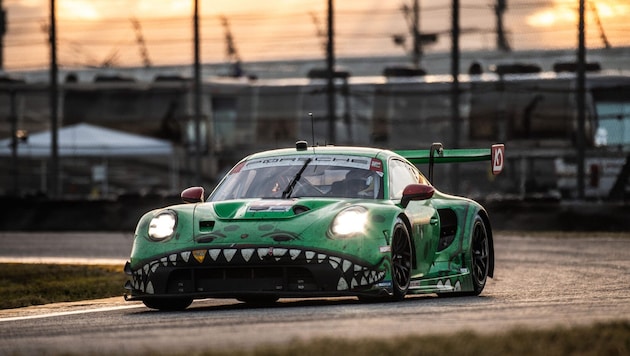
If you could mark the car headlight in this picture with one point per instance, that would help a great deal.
(350, 221)
(162, 226)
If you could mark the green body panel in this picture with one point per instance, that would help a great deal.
(451, 267)
(308, 230)
(258, 225)
(433, 271)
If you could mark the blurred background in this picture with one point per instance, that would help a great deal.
(123, 33)
(135, 100)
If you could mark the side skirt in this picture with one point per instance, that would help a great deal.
(456, 282)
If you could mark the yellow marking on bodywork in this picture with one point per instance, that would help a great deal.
(199, 255)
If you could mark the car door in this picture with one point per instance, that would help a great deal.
(424, 219)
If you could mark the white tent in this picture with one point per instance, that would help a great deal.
(85, 140)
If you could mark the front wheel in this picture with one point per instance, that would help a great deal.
(258, 300)
(168, 304)
(481, 255)
(401, 261)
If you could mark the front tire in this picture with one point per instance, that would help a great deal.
(258, 300)
(401, 261)
(481, 255)
(168, 304)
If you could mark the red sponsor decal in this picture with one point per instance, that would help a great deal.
(498, 158)
(376, 165)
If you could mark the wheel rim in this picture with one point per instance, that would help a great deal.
(401, 260)
(480, 254)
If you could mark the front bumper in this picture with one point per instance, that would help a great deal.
(268, 270)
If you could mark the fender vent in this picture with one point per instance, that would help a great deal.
(448, 228)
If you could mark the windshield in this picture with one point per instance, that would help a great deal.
(331, 176)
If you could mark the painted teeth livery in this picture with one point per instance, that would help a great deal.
(352, 274)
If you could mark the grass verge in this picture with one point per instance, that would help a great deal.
(611, 338)
(23, 285)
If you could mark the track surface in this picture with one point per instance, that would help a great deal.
(540, 282)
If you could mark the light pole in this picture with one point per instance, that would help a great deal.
(455, 89)
(197, 96)
(581, 79)
(54, 149)
(330, 64)
(3, 30)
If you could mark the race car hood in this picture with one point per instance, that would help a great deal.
(281, 217)
(301, 223)
(279, 220)
(263, 209)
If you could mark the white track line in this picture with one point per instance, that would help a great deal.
(63, 260)
(74, 312)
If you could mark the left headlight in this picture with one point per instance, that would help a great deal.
(162, 226)
(350, 221)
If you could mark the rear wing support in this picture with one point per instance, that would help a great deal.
(438, 154)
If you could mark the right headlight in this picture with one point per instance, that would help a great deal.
(162, 226)
(350, 222)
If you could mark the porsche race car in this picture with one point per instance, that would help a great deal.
(317, 222)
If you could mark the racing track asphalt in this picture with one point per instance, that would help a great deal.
(540, 282)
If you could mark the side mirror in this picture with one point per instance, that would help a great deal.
(416, 192)
(193, 195)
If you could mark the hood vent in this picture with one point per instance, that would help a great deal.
(299, 209)
(206, 225)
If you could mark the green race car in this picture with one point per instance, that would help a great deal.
(313, 222)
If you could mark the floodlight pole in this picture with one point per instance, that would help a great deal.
(14, 143)
(417, 41)
(3, 30)
(330, 64)
(455, 114)
(197, 96)
(502, 42)
(581, 103)
(53, 185)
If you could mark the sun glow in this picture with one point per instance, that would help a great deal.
(83, 10)
(562, 12)
(105, 32)
(161, 8)
(91, 10)
(95, 10)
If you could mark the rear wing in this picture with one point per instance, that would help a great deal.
(437, 154)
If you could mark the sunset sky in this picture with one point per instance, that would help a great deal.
(101, 32)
